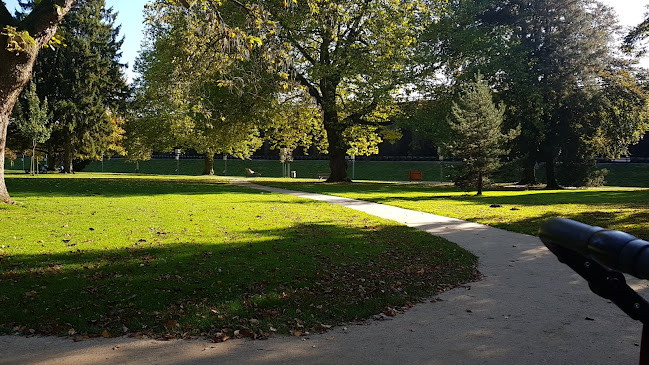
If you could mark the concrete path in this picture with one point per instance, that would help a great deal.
(528, 309)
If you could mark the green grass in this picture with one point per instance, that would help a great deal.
(625, 209)
(620, 174)
(364, 170)
(94, 254)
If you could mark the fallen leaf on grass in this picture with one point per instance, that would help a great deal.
(220, 337)
(171, 324)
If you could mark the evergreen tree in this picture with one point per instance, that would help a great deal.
(83, 80)
(549, 61)
(34, 124)
(477, 138)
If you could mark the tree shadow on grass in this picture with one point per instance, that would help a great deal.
(599, 198)
(391, 192)
(293, 279)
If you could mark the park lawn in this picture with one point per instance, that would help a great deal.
(625, 209)
(100, 254)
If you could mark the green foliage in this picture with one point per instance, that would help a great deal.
(85, 85)
(35, 123)
(580, 173)
(552, 63)
(352, 58)
(208, 85)
(17, 41)
(477, 133)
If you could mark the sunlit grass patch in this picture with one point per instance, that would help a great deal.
(517, 210)
(98, 254)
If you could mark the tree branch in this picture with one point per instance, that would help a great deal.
(352, 32)
(313, 91)
(357, 117)
(300, 48)
(5, 16)
(41, 23)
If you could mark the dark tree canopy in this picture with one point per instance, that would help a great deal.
(549, 61)
(84, 82)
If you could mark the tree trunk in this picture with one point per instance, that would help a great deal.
(33, 167)
(17, 65)
(529, 172)
(51, 161)
(209, 164)
(480, 183)
(67, 156)
(337, 148)
(14, 74)
(552, 183)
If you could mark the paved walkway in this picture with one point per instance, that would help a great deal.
(528, 309)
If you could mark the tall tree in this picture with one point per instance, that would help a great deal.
(34, 123)
(351, 56)
(478, 140)
(21, 39)
(84, 82)
(194, 90)
(210, 86)
(547, 58)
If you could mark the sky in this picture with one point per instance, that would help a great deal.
(630, 12)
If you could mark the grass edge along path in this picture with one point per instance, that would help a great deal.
(513, 209)
(102, 255)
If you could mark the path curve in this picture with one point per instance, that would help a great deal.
(528, 309)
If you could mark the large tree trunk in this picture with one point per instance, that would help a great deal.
(17, 64)
(209, 164)
(14, 75)
(6, 105)
(528, 175)
(337, 148)
(68, 156)
(337, 152)
(551, 176)
(51, 160)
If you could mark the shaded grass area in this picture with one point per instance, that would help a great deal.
(625, 209)
(91, 255)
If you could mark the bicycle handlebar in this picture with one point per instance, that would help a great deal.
(614, 249)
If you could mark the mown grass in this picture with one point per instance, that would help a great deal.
(99, 254)
(625, 209)
(620, 174)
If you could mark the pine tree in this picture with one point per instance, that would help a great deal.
(34, 124)
(547, 59)
(476, 124)
(84, 82)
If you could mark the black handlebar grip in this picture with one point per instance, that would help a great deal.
(614, 249)
(567, 233)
